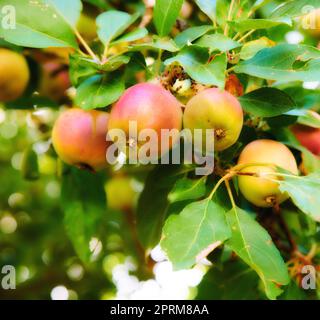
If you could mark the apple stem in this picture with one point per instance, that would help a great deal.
(227, 183)
(246, 35)
(105, 54)
(230, 69)
(228, 176)
(250, 174)
(158, 62)
(312, 252)
(85, 45)
(236, 36)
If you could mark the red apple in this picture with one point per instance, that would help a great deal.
(308, 137)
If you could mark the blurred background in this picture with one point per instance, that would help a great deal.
(33, 238)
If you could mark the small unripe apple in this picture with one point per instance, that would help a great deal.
(149, 106)
(120, 193)
(217, 110)
(259, 190)
(308, 137)
(14, 75)
(79, 138)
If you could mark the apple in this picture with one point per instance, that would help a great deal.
(217, 110)
(120, 193)
(14, 75)
(149, 106)
(260, 191)
(309, 137)
(79, 138)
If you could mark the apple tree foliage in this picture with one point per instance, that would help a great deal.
(250, 252)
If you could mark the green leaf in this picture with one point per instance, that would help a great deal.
(309, 118)
(189, 35)
(194, 233)
(131, 36)
(250, 24)
(165, 15)
(267, 102)
(114, 63)
(217, 42)
(279, 63)
(305, 98)
(102, 4)
(82, 67)
(281, 121)
(209, 7)
(254, 246)
(260, 3)
(294, 8)
(195, 61)
(305, 117)
(39, 25)
(303, 227)
(30, 167)
(165, 44)
(187, 189)
(222, 7)
(304, 192)
(70, 10)
(251, 48)
(153, 203)
(236, 281)
(100, 91)
(84, 208)
(137, 64)
(311, 162)
(112, 24)
(293, 292)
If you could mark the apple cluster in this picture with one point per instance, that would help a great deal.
(79, 136)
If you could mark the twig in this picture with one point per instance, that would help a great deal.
(312, 252)
(251, 12)
(158, 62)
(132, 225)
(223, 179)
(284, 227)
(250, 174)
(215, 23)
(227, 183)
(236, 36)
(230, 69)
(105, 54)
(85, 45)
(247, 35)
(226, 29)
